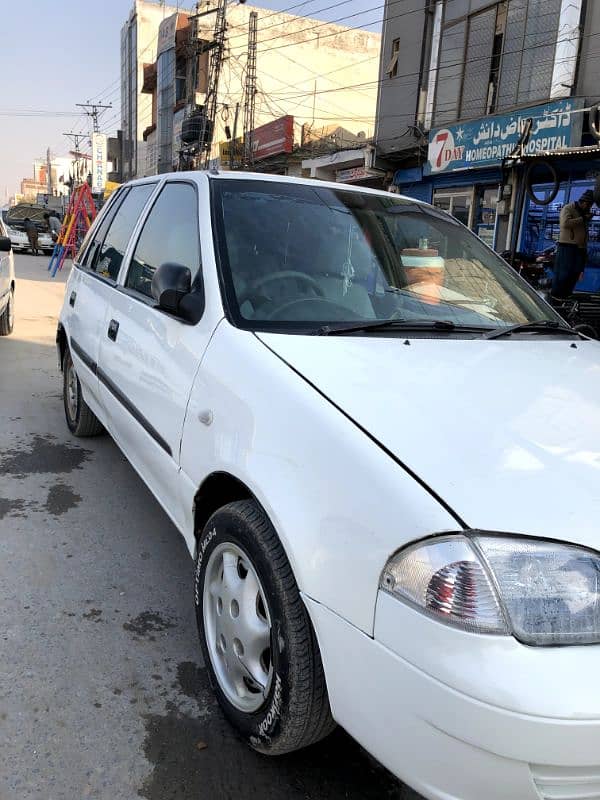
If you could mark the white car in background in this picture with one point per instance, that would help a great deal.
(7, 283)
(18, 237)
(383, 451)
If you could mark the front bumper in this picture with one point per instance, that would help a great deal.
(447, 742)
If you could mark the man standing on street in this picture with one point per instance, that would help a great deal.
(571, 254)
(32, 234)
(54, 225)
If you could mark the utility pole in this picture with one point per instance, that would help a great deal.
(48, 173)
(250, 89)
(93, 110)
(217, 51)
(233, 153)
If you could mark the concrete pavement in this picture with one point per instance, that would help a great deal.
(102, 690)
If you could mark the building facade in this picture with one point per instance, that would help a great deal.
(484, 107)
(323, 75)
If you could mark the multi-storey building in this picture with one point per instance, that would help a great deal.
(465, 85)
(323, 75)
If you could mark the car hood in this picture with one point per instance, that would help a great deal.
(506, 432)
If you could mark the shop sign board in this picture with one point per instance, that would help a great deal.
(351, 175)
(273, 138)
(98, 162)
(486, 142)
(167, 31)
(231, 147)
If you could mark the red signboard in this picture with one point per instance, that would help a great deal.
(273, 138)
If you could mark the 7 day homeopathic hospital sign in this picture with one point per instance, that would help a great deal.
(486, 142)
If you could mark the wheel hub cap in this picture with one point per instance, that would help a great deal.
(72, 392)
(238, 627)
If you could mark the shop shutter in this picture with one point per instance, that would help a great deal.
(480, 43)
(450, 71)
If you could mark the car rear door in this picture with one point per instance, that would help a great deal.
(92, 282)
(148, 358)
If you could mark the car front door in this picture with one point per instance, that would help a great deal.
(148, 358)
(93, 281)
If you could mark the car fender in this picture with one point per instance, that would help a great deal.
(339, 503)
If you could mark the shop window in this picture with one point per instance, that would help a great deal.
(541, 229)
(480, 46)
(528, 51)
(485, 216)
(492, 99)
(457, 202)
(392, 67)
(450, 72)
(180, 79)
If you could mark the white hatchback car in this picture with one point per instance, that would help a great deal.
(382, 449)
(7, 283)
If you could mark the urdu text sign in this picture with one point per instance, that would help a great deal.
(485, 142)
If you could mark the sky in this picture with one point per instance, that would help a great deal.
(70, 54)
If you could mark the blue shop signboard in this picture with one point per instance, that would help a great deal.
(485, 142)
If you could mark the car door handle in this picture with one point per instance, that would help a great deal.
(72, 298)
(113, 329)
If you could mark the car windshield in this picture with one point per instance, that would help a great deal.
(297, 256)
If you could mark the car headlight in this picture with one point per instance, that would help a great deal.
(543, 593)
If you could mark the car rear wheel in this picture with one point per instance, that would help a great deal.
(256, 636)
(7, 318)
(80, 418)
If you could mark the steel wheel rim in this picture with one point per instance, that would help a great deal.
(11, 310)
(72, 392)
(237, 627)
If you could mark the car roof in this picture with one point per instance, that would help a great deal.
(198, 176)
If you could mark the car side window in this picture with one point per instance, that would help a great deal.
(170, 234)
(115, 242)
(87, 256)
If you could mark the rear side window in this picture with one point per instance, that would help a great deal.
(87, 256)
(111, 252)
(170, 234)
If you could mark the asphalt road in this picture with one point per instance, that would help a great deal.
(103, 693)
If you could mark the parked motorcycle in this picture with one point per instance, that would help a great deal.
(535, 269)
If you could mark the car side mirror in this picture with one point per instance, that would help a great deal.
(170, 284)
(5, 244)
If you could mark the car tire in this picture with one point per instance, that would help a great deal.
(275, 697)
(7, 317)
(80, 418)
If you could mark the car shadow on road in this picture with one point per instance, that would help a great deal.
(200, 756)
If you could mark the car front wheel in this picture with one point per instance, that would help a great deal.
(257, 639)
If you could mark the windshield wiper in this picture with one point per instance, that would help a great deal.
(541, 325)
(398, 324)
